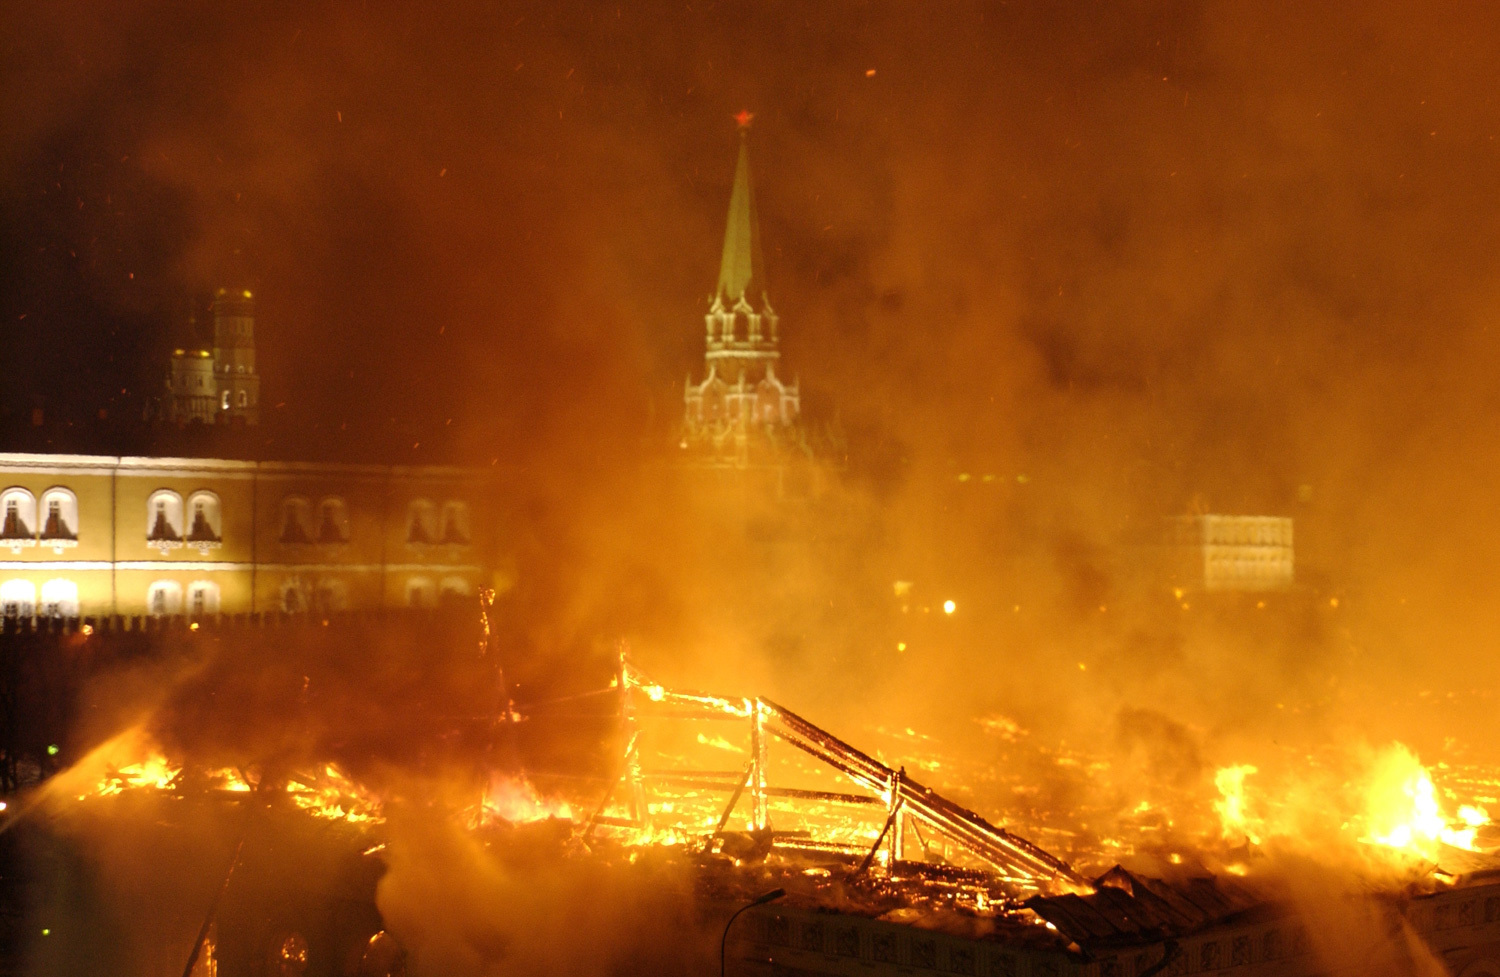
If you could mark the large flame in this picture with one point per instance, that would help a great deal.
(1234, 821)
(1389, 807)
(1403, 810)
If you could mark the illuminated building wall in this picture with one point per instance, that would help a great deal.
(92, 535)
(1227, 553)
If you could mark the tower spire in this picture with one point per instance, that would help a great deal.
(741, 270)
(740, 393)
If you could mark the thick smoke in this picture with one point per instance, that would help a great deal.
(1048, 273)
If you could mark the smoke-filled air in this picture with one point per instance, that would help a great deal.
(494, 488)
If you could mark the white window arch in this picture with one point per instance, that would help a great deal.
(296, 514)
(456, 523)
(59, 598)
(204, 522)
(17, 598)
(164, 519)
(333, 520)
(224, 397)
(453, 590)
(203, 598)
(420, 592)
(59, 517)
(421, 519)
(164, 598)
(17, 517)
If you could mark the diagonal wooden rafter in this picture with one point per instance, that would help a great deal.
(1015, 856)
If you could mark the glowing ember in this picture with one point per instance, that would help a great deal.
(335, 797)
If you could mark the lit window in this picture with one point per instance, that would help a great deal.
(60, 522)
(204, 525)
(224, 398)
(17, 598)
(333, 521)
(456, 523)
(164, 517)
(453, 590)
(19, 506)
(294, 520)
(419, 522)
(59, 598)
(164, 598)
(293, 597)
(203, 598)
(420, 593)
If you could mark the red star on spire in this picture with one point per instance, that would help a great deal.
(743, 117)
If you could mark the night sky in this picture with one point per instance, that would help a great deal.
(1152, 256)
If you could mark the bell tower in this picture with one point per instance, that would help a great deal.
(234, 357)
(741, 394)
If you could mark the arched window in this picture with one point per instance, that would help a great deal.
(164, 518)
(59, 516)
(204, 523)
(19, 508)
(453, 590)
(164, 598)
(224, 397)
(17, 598)
(333, 521)
(294, 520)
(244, 399)
(456, 523)
(420, 519)
(420, 592)
(59, 598)
(203, 598)
(330, 596)
(293, 596)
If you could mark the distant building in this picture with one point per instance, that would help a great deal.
(743, 408)
(221, 385)
(85, 535)
(1232, 553)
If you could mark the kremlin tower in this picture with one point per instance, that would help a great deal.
(742, 408)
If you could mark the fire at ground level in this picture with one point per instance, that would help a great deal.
(603, 815)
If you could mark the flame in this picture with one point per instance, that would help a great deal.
(155, 771)
(230, 779)
(1404, 812)
(1233, 821)
(517, 801)
(1386, 804)
(336, 797)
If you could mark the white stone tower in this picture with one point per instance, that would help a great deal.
(234, 357)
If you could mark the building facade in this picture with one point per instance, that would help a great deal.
(86, 535)
(1233, 553)
(742, 403)
(221, 385)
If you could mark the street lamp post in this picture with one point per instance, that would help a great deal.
(761, 900)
